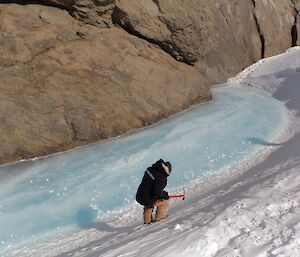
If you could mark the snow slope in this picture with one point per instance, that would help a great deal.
(257, 214)
(254, 214)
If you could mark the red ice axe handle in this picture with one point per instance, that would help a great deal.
(177, 196)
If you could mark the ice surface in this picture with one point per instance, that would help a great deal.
(73, 189)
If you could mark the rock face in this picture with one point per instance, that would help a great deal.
(218, 37)
(275, 19)
(77, 71)
(64, 83)
(95, 12)
(296, 27)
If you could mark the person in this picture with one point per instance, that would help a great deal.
(151, 192)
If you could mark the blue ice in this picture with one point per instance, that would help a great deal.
(75, 188)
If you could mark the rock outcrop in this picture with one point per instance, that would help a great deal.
(95, 12)
(78, 71)
(218, 37)
(296, 26)
(65, 84)
(275, 19)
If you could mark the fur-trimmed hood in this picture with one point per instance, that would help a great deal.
(163, 166)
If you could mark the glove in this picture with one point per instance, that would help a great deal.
(165, 195)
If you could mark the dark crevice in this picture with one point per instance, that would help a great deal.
(294, 31)
(261, 36)
(294, 35)
(71, 128)
(40, 2)
(103, 2)
(262, 39)
(120, 18)
(158, 5)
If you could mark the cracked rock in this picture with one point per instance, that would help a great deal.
(275, 18)
(218, 38)
(59, 91)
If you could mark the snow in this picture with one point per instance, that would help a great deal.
(241, 207)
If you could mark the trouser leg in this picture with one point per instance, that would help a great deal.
(148, 214)
(162, 209)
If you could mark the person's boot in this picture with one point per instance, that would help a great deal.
(148, 214)
(162, 210)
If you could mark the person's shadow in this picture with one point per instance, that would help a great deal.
(85, 218)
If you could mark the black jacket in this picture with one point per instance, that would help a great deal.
(152, 185)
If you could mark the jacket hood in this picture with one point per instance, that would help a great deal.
(164, 167)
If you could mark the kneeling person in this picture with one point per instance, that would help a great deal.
(151, 192)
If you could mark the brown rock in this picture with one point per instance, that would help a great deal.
(95, 12)
(219, 38)
(64, 84)
(297, 22)
(275, 19)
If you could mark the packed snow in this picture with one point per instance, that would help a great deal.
(243, 188)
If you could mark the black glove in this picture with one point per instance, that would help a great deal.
(165, 195)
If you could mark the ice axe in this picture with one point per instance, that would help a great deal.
(179, 196)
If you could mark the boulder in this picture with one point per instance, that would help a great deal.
(64, 83)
